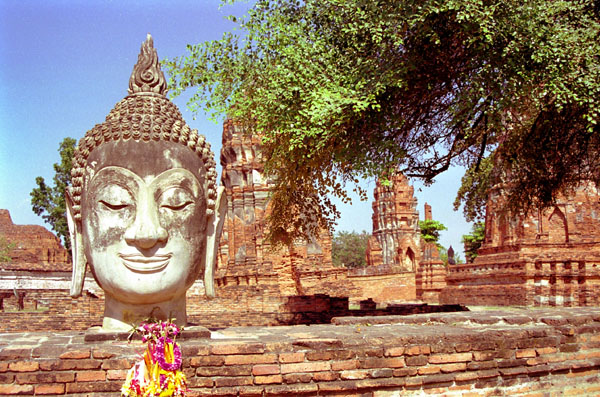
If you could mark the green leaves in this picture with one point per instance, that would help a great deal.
(351, 89)
(430, 230)
(49, 201)
(473, 241)
(349, 249)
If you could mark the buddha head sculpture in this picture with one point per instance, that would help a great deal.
(144, 210)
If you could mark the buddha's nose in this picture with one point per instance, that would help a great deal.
(146, 231)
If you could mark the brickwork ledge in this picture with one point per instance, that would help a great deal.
(523, 352)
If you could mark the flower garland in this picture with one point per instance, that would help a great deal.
(158, 373)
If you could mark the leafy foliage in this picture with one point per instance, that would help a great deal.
(348, 89)
(430, 230)
(473, 240)
(5, 249)
(349, 249)
(49, 201)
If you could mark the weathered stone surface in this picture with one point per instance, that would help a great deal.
(147, 229)
(547, 258)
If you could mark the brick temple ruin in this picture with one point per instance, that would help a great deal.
(550, 258)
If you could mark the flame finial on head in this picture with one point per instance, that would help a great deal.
(147, 76)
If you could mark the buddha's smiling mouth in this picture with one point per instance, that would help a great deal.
(145, 264)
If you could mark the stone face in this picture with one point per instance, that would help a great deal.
(548, 257)
(146, 228)
(35, 247)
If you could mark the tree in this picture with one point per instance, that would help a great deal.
(349, 249)
(49, 201)
(5, 249)
(430, 230)
(473, 241)
(349, 89)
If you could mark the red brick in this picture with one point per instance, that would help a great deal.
(267, 380)
(206, 361)
(293, 389)
(123, 363)
(266, 369)
(453, 367)
(81, 353)
(50, 389)
(197, 381)
(24, 366)
(525, 353)
(86, 387)
(45, 377)
(431, 369)
(325, 376)
(251, 359)
(65, 365)
(3, 366)
(546, 350)
(102, 354)
(338, 386)
(232, 370)
(417, 350)
(344, 365)
(376, 362)
(394, 351)
(354, 374)
(233, 381)
(238, 348)
(296, 357)
(90, 376)
(15, 352)
(405, 372)
(116, 374)
(450, 358)
(16, 389)
(416, 361)
(297, 378)
(466, 376)
(314, 366)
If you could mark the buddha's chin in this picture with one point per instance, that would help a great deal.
(148, 288)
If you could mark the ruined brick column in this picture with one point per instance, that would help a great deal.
(396, 235)
(430, 279)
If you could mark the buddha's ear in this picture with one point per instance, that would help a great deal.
(77, 253)
(213, 233)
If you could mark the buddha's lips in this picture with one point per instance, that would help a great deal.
(145, 264)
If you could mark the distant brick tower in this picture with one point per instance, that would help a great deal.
(396, 240)
(253, 282)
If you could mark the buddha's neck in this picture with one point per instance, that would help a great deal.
(119, 316)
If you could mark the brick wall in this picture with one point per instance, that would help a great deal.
(512, 282)
(531, 353)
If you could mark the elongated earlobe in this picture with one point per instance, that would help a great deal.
(214, 229)
(77, 253)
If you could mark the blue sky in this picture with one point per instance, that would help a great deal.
(65, 64)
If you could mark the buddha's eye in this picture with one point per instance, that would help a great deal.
(178, 206)
(113, 206)
(176, 199)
